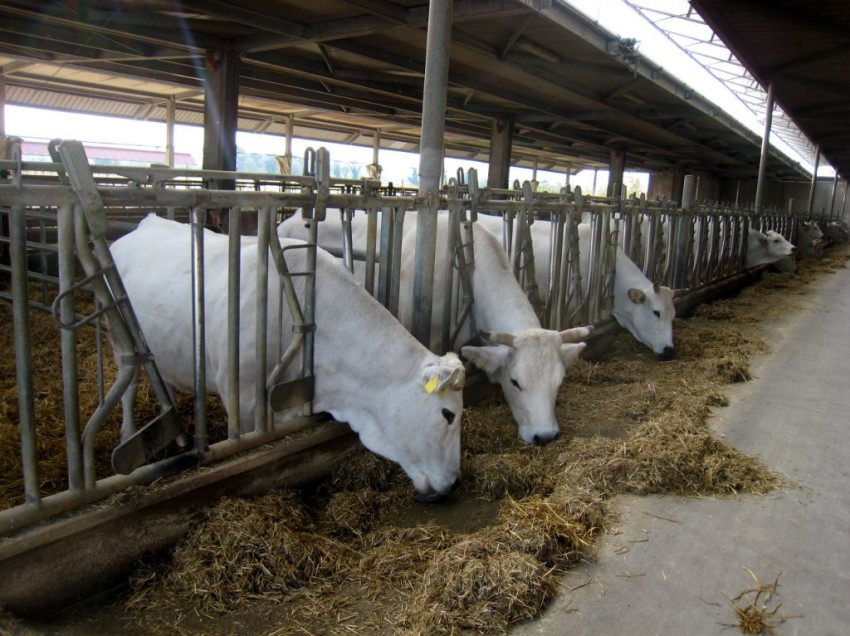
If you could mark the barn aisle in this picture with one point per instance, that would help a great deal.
(675, 565)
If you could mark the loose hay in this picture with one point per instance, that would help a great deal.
(515, 474)
(476, 586)
(756, 610)
(244, 550)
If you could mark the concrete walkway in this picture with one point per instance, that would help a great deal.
(676, 564)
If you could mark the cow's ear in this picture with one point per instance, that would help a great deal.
(636, 295)
(763, 239)
(450, 375)
(571, 352)
(488, 359)
(576, 333)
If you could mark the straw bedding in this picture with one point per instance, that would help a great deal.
(349, 555)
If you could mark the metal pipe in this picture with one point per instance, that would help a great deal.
(430, 161)
(70, 383)
(765, 147)
(261, 412)
(199, 328)
(814, 182)
(169, 131)
(23, 352)
(834, 189)
(234, 274)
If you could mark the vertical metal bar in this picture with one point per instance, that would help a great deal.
(234, 275)
(683, 231)
(70, 383)
(385, 274)
(309, 303)
(199, 328)
(814, 182)
(23, 353)
(452, 238)
(261, 418)
(347, 248)
(834, 189)
(371, 243)
(430, 161)
(556, 248)
(169, 134)
(395, 265)
(765, 146)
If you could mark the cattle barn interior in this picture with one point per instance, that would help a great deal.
(530, 83)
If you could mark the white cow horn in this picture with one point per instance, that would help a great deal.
(457, 379)
(497, 337)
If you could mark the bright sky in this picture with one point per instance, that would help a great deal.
(614, 15)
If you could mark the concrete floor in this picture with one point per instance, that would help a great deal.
(674, 565)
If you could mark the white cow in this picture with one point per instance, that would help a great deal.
(527, 361)
(836, 232)
(766, 247)
(810, 239)
(644, 308)
(403, 401)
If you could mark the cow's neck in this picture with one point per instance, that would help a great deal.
(498, 306)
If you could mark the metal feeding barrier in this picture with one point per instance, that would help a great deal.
(58, 220)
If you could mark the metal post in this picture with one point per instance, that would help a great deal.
(65, 223)
(834, 188)
(23, 354)
(234, 274)
(169, 131)
(814, 183)
(682, 234)
(198, 216)
(765, 146)
(430, 161)
(290, 127)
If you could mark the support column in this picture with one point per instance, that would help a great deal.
(765, 146)
(221, 107)
(616, 169)
(814, 182)
(832, 199)
(431, 161)
(170, 107)
(678, 190)
(501, 140)
(374, 169)
(284, 162)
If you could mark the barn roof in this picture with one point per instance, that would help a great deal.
(345, 69)
(801, 47)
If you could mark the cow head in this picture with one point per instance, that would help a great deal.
(648, 314)
(530, 366)
(767, 247)
(418, 425)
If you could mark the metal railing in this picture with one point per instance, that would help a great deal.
(58, 219)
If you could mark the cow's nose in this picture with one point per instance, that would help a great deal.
(666, 354)
(456, 485)
(540, 440)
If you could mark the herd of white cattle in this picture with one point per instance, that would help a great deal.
(404, 401)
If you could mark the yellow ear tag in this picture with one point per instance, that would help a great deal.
(431, 385)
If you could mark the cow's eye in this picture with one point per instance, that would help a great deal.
(516, 384)
(449, 415)
(657, 313)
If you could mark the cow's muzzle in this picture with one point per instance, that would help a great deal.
(666, 354)
(434, 496)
